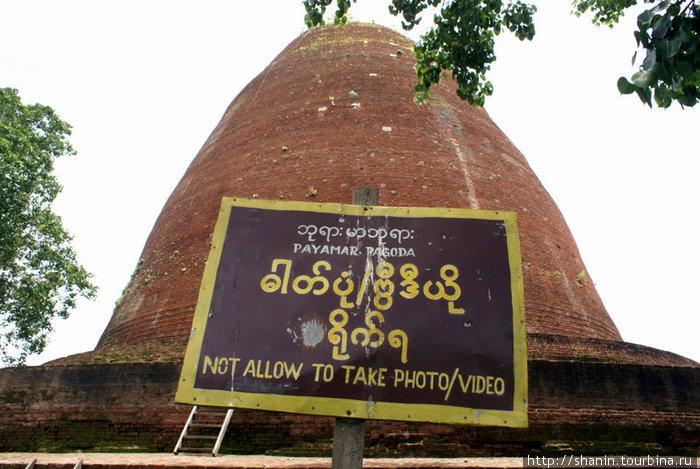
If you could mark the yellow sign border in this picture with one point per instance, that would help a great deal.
(187, 394)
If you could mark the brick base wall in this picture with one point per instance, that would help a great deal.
(585, 407)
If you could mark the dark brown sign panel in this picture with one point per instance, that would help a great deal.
(372, 312)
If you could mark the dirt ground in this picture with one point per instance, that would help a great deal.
(139, 460)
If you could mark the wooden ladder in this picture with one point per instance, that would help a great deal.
(200, 427)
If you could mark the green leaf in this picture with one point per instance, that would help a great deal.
(664, 70)
(686, 100)
(644, 95)
(644, 19)
(643, 79)
(669, 48)
(624, 86)
(661, 26)
(661, 97)
(684, 69)
(649, 60)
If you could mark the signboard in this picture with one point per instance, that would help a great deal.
(371, 312)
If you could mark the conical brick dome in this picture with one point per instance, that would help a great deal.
(332, 112)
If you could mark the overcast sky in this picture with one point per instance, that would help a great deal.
(144, 83)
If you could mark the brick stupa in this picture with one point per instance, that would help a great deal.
(335, 111)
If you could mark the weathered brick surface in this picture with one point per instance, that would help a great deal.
(88, 406)
(539, 346)
(585, 406)
(296, 133)
(558, 347)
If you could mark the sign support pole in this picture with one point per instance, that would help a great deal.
(349, 434)
(348, 443)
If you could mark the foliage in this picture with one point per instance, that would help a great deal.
(670, 35)
(40, 278)
(461, 42)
